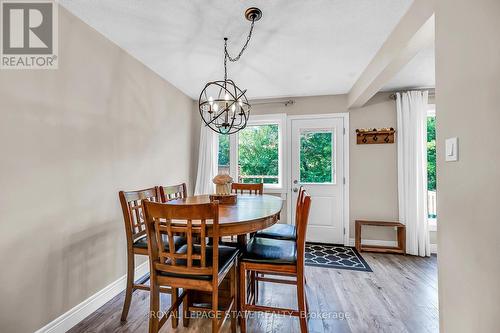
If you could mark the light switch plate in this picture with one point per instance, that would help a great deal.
(451, 151)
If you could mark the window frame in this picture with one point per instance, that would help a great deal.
(259, 120)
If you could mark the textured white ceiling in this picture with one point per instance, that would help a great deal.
(300, 48)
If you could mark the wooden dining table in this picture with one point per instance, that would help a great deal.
(249, 214)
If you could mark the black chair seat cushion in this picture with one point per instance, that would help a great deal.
(143, 242)
(270, 251)
(278, 231)
(227, 255)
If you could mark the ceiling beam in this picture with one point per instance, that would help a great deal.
(414, 32)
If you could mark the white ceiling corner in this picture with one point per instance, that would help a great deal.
(418, 73)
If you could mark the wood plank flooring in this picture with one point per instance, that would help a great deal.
(399, 296)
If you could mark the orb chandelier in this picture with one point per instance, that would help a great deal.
(222, 104)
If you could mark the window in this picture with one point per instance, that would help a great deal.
(431, 164)
(316, 157)
(224, 157)
(255, 154)
(258, 154)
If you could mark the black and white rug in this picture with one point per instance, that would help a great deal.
(335, 256)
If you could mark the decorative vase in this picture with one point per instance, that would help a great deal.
(223, 188)
(223, 184)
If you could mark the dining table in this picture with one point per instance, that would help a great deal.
(250, 213)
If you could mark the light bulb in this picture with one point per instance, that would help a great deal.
(233, 108)
(216, 107)
(226, 97)
(240, 102)
(210, 100)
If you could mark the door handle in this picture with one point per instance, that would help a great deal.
(295, 189)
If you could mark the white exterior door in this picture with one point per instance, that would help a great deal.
(317, 163)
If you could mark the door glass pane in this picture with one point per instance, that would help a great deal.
(258, 154)
(316, 157)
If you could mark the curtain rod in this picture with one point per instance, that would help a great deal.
(393, 95)
(286, 103)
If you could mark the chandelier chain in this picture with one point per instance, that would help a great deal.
(223, 106)
(228, 56)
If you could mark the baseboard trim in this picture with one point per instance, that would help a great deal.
(75, 315)
(374, 242)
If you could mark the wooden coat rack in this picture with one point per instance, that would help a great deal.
(375, 135)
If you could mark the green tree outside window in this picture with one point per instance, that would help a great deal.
(258, 154)
(316, 157)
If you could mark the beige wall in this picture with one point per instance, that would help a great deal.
(468, 91)
(373, 168)
(71, 139)
(374, 173)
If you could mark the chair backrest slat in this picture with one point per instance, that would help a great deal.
(298, 206)
(172, 192)
(303, 207)
(133, 210)
(189, 221)
(251, 188)
(203, 261)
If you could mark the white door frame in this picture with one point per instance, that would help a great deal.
(288, 181)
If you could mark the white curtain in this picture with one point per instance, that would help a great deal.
(207, 161)
(412, 169)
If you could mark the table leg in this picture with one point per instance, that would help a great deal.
(242, 243)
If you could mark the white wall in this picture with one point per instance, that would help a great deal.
(468, 95)
(71, 139)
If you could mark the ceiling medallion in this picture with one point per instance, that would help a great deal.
(223, 105)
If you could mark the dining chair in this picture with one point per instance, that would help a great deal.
(135, 232)
(281, 230)
(194, 266)
(244, 188)
(277, 257)
(247, 188)
(173, 192)
(277, 231)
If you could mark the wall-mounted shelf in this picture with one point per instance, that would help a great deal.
(375, 135)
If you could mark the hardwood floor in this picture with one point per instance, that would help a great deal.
(399, 296)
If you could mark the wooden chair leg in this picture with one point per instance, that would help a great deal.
(185, 310)
(130, 285)
(175, 312)
(243, 299)
(154, 308)
(232, 281)
(215, 310)
(301, 300)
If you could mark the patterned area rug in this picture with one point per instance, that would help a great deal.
(335, 256)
